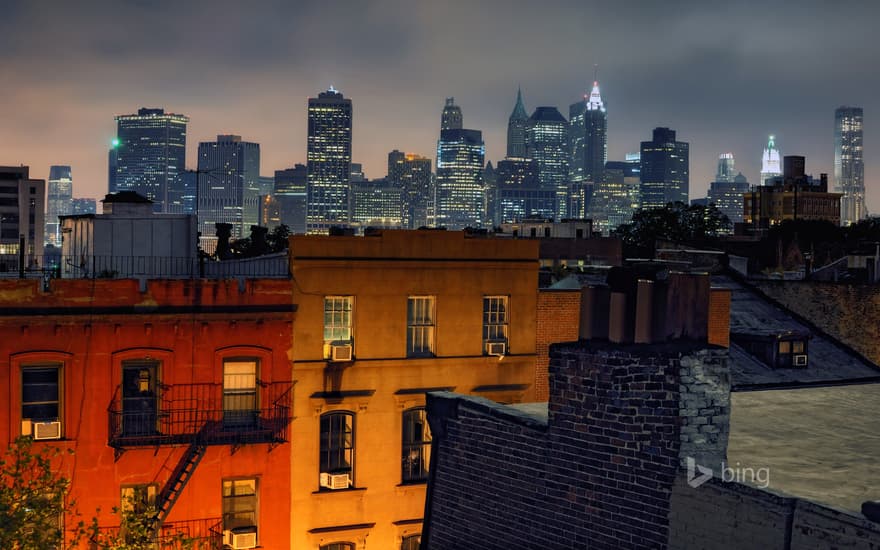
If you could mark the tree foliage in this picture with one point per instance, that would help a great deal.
(675, 222)
(261, 241)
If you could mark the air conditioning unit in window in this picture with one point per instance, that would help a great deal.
(341, 352)
(498, 349)
(240, 537)
(335, 481)
(46, 430)
(800, 360)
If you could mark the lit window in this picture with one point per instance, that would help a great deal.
(240, 393)
(337, 318)
(416, 448)
(411, 542)
(337, 444)
(138, 499)
(239, 503)
(495, 319)
(40, 393)
(420, 326)
(338, 546)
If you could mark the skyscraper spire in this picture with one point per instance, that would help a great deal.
(516, 128)
(594, 103)
(519, 110)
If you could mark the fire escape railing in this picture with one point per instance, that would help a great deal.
(184, 413)
(194, 534)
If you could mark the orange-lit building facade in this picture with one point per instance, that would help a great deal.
(381, 320)
(179, 392)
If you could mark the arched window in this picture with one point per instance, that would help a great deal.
(337, 446)
(416, 448)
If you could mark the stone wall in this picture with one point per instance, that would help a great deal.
(704, 408)
(850, 313)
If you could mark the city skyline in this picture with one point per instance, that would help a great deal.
(98, 75)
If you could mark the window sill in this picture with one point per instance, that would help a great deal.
(413, 483)
(331, 491)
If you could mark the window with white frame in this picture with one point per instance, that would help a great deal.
(239, 503)
(420, 326)
(337, 318)
(496, 319)
(239, 392)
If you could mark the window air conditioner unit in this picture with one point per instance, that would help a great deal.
(240, 537)
(47, 430)
(496, 348)
(800, 360)
(335, 481)
(340, 352)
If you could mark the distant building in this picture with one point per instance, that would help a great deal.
(229, 181)
(588, 138)
(516, 129)
(414, 178)
(547, 145)
(726, 168)
(519, 195)
(616, 198)
(451, 118)
(84, 206)
(150, 155)
(182, 196)
(459, 193)
(394, 174)
(664, 170)
(357, 172)
(22, 203)
(112, 165)
(59, 201)
(727, 196)
(291, 195)
(770, 162)
(129, 240)
(376, 203)
(270, 212)
(792, 196)
(849, 168)
(328, 160)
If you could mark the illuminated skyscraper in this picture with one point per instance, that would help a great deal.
(726, 168)
(665, 166)
(290, 192)
(84, 206)
(460, 194)
(329, 161)
(519, 196)
(727, 196)
(588, 137)
(849, 169)
(516, 129)
(770, 162)
(229, 188)
(59, 201)
(150, 155)
(412, 175)
(547, 144)
(616, 197)
(451, 118)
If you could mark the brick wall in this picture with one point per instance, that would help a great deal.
(850, 313)
(558, 320)
(719, 317)
(598, 474)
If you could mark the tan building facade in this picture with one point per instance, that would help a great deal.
(381, 320)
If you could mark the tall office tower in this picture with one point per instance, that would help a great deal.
(329, 161)
(414, 181)
(376, 203)
(84, 206)
(726, 168)
(519, 194)
(588, 137)
(616, 198)
(665, 170)
(451, 118)
(357, 173)
(59, 202)
(516, 129)
(849, 169)
(727, 196)
(770, 162)
(112, 165)
(396, 160)
(291, 193)
(547, 144)
(229, 192)
(150, 154)
(266, 185)
(21, 217)
(182, 194)
(459, 193)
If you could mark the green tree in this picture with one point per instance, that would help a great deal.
(677, 222)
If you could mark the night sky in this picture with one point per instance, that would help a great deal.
(723, 74)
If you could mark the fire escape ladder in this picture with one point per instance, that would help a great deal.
(178, 480)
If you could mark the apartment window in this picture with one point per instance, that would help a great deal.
(337, 443)
(239, 503)
(240, 393)
(40, 393)
(416, 448)
(337, 318)
(495, 319)
(411, 542)
(338, 546)
(138, 499)
(792, 353)
(420, 326)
